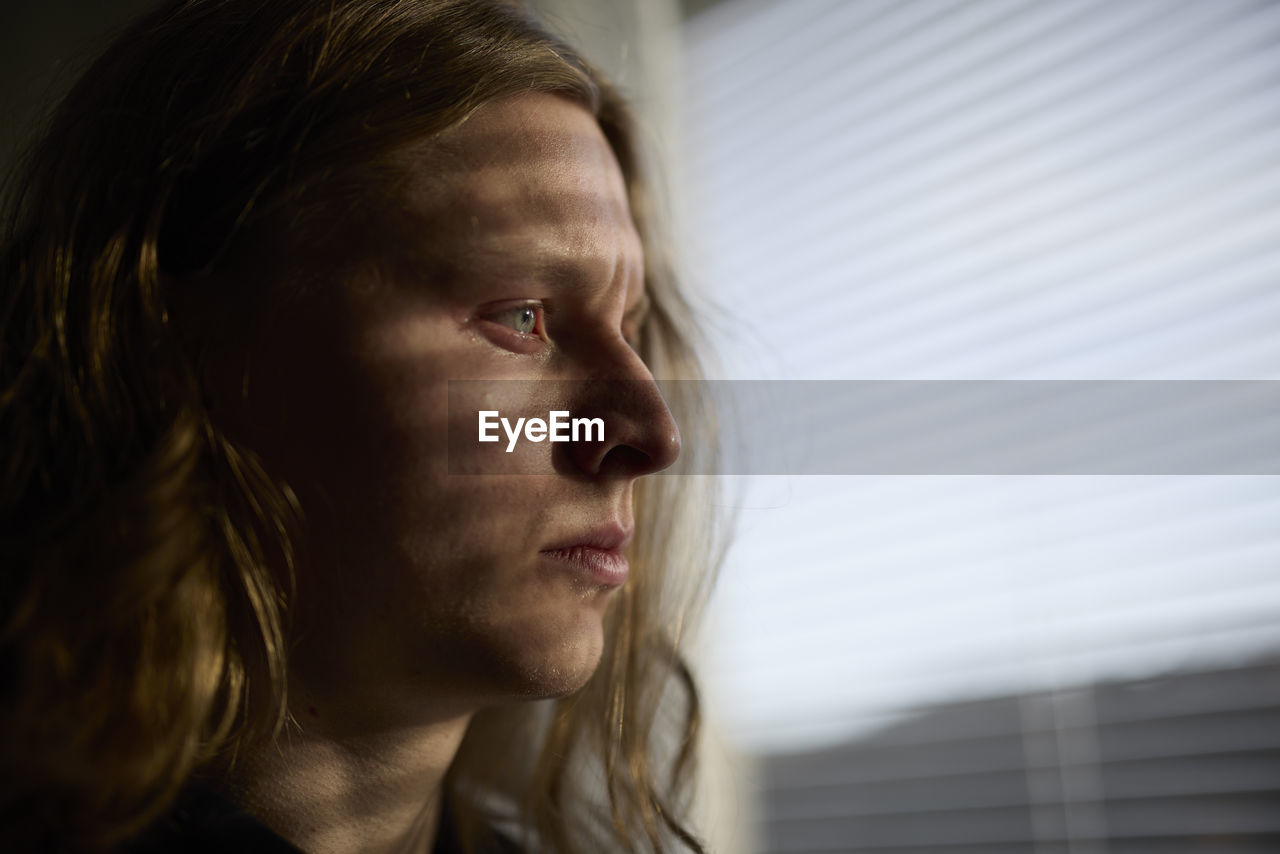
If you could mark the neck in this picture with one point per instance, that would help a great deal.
(334, 782)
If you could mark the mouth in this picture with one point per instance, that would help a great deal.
(595, 555)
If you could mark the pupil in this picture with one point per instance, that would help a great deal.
(527, 320)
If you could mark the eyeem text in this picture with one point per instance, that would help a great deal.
(558, 427)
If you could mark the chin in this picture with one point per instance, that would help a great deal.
(565, 670)
(548, 664)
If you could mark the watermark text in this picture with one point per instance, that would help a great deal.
(558, 427)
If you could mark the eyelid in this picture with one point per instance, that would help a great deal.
(490, 321)
(632, 331)
(497, 310)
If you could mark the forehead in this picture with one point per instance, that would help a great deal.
(529, 177)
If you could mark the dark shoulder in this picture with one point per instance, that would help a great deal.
(489, 840)
(203, 822)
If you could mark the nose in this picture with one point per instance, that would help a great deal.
(640, 433)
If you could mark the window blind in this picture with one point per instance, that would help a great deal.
(994, 190)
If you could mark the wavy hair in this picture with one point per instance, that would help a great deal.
(146, 558)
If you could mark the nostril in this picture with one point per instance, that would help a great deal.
(626, 460)
(640, 434)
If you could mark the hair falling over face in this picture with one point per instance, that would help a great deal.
(147, 558)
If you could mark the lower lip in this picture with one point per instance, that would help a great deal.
(606, 567)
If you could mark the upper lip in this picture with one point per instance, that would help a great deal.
(608, 537)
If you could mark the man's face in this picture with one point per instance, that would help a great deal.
(519, 262)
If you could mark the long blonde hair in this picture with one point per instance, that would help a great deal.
(145, 558)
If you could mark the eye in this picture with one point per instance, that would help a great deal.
(525, 319)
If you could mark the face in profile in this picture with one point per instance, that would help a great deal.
(512, 257)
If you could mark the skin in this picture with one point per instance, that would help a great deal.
(425, 596)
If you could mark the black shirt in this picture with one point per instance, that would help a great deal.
(203, 822)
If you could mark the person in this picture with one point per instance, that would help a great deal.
(254, 596)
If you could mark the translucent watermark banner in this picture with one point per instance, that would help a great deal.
(1029, 427)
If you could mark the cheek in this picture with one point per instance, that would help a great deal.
(341, 403)
(363, 434)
